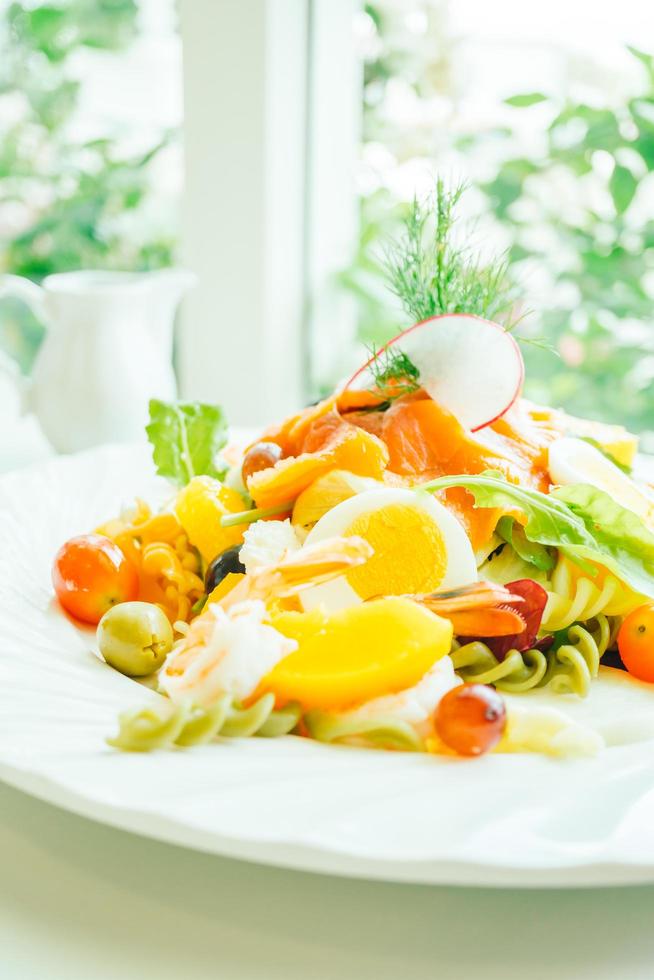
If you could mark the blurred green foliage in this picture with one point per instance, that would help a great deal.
(379, 315)
(572, 207)
(585, 194)
(576, 210)
(61, 196)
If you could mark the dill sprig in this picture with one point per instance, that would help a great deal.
(431, 275)
(393, 372)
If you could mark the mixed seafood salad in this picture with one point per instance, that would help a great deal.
(423, 561)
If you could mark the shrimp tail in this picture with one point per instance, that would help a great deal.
(478, 609)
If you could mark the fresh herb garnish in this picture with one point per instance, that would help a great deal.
(394, 373)
(186, 438)
(431, 275)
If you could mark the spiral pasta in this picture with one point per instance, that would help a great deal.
(174, 569)
(184, 725)
(576, 597)
(516, 673)
(379, 732)
(169, 568)
(567, 668)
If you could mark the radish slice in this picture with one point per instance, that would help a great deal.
(470, 366)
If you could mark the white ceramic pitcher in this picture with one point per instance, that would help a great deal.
(107, 350)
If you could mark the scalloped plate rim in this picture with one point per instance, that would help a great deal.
(324, 860)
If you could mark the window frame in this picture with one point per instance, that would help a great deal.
(271, 128)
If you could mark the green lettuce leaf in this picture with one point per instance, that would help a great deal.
(530, 551)
(583, 522)
(505, 565)
(186, 438)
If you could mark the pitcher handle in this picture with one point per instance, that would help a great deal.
(34, 297)
(26, 290)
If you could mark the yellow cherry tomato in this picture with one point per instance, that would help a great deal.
(200, 506)
(636, 643)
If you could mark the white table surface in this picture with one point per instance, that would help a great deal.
(80, 900)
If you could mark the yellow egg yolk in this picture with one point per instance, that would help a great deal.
(410, 553)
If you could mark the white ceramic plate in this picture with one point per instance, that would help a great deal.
(501, 820)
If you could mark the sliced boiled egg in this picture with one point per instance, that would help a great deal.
(577, 461)
(419, 547)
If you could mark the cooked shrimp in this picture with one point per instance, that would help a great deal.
(479, 609)
(300, 570)
(223, 653)
(229, 647)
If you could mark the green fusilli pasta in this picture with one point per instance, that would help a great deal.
(377, 732)
(518, 672)
(567, 668)
(161, 726)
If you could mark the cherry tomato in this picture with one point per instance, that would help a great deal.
(636, 643)
(90, 574)
(471, 719)
(260, 457)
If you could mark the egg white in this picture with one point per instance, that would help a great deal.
(574, 460)
(461, 567)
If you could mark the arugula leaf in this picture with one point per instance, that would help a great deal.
(583, 522)
(186, 438)
(549, 521)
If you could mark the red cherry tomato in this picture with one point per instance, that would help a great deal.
(471, 718)
(636, 643)
(90, 574)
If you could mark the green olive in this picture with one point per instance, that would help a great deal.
(134, 637)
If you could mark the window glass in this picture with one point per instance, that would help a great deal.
(548, 112)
